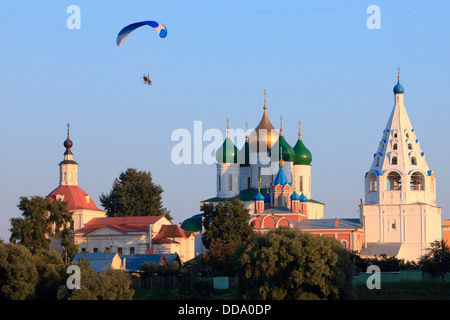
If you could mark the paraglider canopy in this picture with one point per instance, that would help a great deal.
(159, 27)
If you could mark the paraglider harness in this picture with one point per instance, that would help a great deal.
(146, 79)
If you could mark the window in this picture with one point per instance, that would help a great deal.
(413, 161)
(95, 250)
(409, 146)
(395, 135)
(378, 161)
(394, 147)
(372, 182)
(394, 181)
(131, 250)
(417, 181)
(392, 224)
(219, 179)
(301, 184)
(248, 182)
(83, 250)
(230, 182)
(119, 250)
(407, 135)
(394, 160)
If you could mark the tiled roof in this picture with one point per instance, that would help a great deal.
(173, 231)
(329, 224)
(121, 224)
(75, 197)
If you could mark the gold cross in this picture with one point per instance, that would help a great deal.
(265, 107)
(398, 73)
(299, 130)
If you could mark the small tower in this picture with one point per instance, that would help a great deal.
(302, 166)
(303, 204)
(295, 202)
(281, 188)
(259, 199)
(68, 173)
(286, 154)
(227, 158)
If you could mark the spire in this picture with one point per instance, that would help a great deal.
(281, 157)
(281, 125)
(246, 131)
(299, 130)
(228, 127)
(265, 106)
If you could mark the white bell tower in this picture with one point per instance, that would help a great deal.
(399, 212)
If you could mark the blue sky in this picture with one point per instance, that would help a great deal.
(317, 59)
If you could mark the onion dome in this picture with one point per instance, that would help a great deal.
(398, 88)
(303, 198)
(267, 198)
(68, 143)
(286, 150)
(227, 153)
(259, 196)
(264, 129)
(295, 196)
(245, 153)
(302, 156)
(193, 223)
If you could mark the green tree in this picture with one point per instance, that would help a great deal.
(227, 222)
(286, 264)
(18, 272)
(41, 220)
(436, 260)
(108, 285)
(134, 194)
(52, 273)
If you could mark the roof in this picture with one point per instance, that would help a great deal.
(281, 178)
(173, 231)
(329, 224)
(75, 197)
(380, 248)
(97, 261)
(134, 262)
(120, 224)
(248, 195)
(245, 195)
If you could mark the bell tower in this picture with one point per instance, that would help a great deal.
(68, 173)
(399, 209)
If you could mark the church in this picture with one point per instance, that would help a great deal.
(398, 216)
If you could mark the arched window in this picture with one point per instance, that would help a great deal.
(413, 161)
(417, 181)
(395, 135)
(230, 182)
(219, 181)
(394, 160)
(394, 181)
(392, 224)
(394, 147)
(372, 179)
(409, 146)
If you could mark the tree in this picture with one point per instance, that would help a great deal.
(227, 221)
(42, 220)
(18, 272)
(134, 194)
(108, 285)
(286, 264)
(436, 260)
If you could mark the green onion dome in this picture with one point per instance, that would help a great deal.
(227, 153)
(193, 223)
(286, 149)
(245, 154)
(302, 155)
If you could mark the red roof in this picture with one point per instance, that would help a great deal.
(75, 197)
(173, 231)
(121, 224)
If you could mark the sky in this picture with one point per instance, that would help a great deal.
(318, 60)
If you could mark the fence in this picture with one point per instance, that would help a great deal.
(167, 282)
(402, 275)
